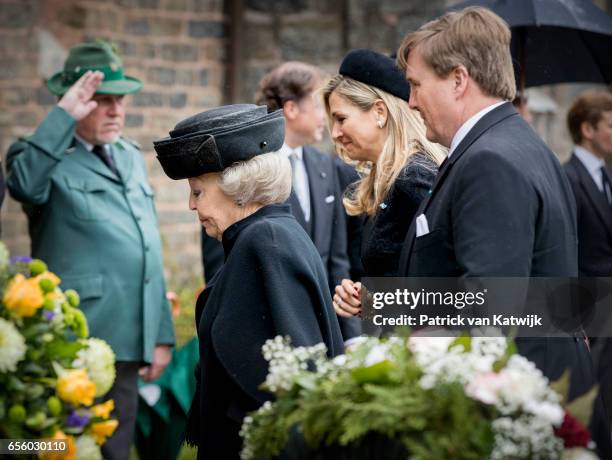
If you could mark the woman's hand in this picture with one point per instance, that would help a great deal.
(347, 299)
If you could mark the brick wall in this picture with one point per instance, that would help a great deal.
(175, 46)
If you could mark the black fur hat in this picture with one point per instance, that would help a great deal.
(375, 69)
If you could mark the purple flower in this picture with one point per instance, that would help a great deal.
(21, 259)
(48, 315)
(78, 419)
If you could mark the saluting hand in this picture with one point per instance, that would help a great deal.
(78, 99)
(347, 299)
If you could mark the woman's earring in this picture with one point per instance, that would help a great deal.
(379, 123)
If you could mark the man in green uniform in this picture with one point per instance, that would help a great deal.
(92, 218)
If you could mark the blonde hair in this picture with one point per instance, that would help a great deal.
(474, 37)
(264, 179)
(405, 137)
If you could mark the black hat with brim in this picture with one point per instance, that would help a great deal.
(375, 69)
(213, 140)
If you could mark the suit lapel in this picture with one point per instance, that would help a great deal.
(296, 209)
(596, 197)
(123, 161)
(490, 119)
(89, 160)
(317, 180)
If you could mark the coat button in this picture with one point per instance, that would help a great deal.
(147, 280)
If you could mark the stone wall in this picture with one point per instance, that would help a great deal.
(176, 46)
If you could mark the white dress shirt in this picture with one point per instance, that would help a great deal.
(299, 177)
(592, 163)
(468, 125)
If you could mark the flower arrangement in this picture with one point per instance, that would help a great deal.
(51, 372)
(413, 397)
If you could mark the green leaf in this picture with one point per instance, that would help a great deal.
(465, 341)
(378, 372)
(61, 349)
(582, 407)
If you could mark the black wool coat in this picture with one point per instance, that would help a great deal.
(386, 230)
(272, 283)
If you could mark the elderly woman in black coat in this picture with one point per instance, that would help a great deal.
(272, 282)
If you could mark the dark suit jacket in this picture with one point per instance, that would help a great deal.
(501, 206)
(594, 256)
(347, 176)
(594, 222)
(327, 227)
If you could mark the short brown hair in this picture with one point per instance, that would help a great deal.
(589, 107)
(291, 81)
(474, 37)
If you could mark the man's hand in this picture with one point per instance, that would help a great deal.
(78, 99)
(161, 357)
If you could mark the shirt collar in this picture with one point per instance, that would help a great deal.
(286, 150)
(469, 124)
(590, 161)
(86, 144)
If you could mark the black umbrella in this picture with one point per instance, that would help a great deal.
(555, 41)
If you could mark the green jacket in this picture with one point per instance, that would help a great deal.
(98, 232)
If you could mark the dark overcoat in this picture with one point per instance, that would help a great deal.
(501, 206)
(272, 283)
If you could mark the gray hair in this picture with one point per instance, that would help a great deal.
(264, 179)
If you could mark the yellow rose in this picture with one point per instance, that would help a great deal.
(23, 296)
(103, 410)
(102, 430)
(75, 387)
(68, 454)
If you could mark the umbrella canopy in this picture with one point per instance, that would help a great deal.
(555, 41)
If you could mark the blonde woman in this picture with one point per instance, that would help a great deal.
(372, 125)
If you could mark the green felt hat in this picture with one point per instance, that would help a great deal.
(98, 55)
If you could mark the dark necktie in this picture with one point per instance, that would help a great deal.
(103, 154)
(607, 185)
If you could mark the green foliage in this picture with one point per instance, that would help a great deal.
(386, 398)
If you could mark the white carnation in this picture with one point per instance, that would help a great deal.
(12, 346)
(87, 449)
(99, 360)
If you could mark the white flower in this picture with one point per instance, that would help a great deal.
(551, 412)
(525, 437)
(287, 363)
(99, 360)
(12, 346)
(377, 354)
(87, 449)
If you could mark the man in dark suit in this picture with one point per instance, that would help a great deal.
(590, 124)
(501, 205)
(316, 194)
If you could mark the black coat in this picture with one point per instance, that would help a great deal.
(386, 231)
(263, 290)
(594, 222)
(501, 206)
(594, 259)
